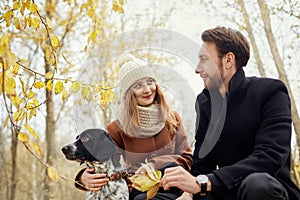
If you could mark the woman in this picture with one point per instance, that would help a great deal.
(146, 129)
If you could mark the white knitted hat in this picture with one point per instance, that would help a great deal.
(132, 69)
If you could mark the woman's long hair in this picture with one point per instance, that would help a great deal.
(129, 115)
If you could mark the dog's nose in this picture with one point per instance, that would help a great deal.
(66, 149)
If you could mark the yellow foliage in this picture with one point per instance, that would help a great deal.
(75, 87)
(92, 37)
(18, 115)
(48, 52)
(49, 75)
(39, 84)
(64, 94)
(148, 181)
(58, 88)
(49, 24)
(16, 101)
(15, 69)
(118, 6)
(33, 8)
(52, 173)
(4, 44)
(36, 148)
(17, 23)
(33, 133)
(49, 85)
(35, 23)
(17, 5)
(55, 42)
(30, 94)
(5, 122)
(23, 137)
(8, 16)
(86, 93)
(10, 86)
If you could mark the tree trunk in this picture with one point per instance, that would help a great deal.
(252, 39)
(50, 143)
(49, 185)
(14, 147)
(265, 15)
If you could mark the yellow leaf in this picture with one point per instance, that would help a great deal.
(103, 99)
(75, 87)
(52, 173)
(36, 103)
(49, 85)
(83, 6)
(33, 8)
(48, 52)
(152, 192)
(30, 94)
(148, 181)
(92, 37)
(39, 84)
(59, 86)
(16, 5)
(8, 16)
(91, 13)
(4, 44)
(118, 6)
(32, 113)
(27, 4)
(5, 122)
(48, 22)
(36, 148)
(35, 23)
(23, 85)
(22, 8)
(64, 94)
(23, 137)
(29, 21)
(17, 23)
(49, 75)
(16, 101)
(33, 133)
(15, 69)
(55, 42)
(10, 86)
(86, 93)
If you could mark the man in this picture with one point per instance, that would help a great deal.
(243, 132)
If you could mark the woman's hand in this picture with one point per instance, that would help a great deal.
(93, 182)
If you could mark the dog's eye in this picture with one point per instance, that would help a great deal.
(85, 139)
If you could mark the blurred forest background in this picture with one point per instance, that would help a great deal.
(57, 75)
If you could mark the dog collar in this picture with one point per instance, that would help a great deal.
(118, 175)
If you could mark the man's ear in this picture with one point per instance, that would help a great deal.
(229, 60)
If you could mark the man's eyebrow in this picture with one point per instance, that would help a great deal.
(203, 56)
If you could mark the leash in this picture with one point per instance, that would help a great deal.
(116, 175)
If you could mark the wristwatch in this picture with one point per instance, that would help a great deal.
(202, 180)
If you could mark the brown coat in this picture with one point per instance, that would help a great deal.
(160, 149)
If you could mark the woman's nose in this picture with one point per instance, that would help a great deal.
(147, 88)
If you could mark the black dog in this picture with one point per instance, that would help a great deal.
(95, 147)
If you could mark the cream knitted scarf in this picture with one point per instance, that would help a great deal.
(151, 120)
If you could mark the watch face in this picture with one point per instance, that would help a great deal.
(202, 179)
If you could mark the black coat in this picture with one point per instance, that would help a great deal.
(255, 134)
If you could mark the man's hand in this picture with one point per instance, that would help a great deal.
(185, 196)
(180, 178)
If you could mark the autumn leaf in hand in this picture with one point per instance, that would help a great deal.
(148, 181)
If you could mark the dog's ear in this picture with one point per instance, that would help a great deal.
(99, 144)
